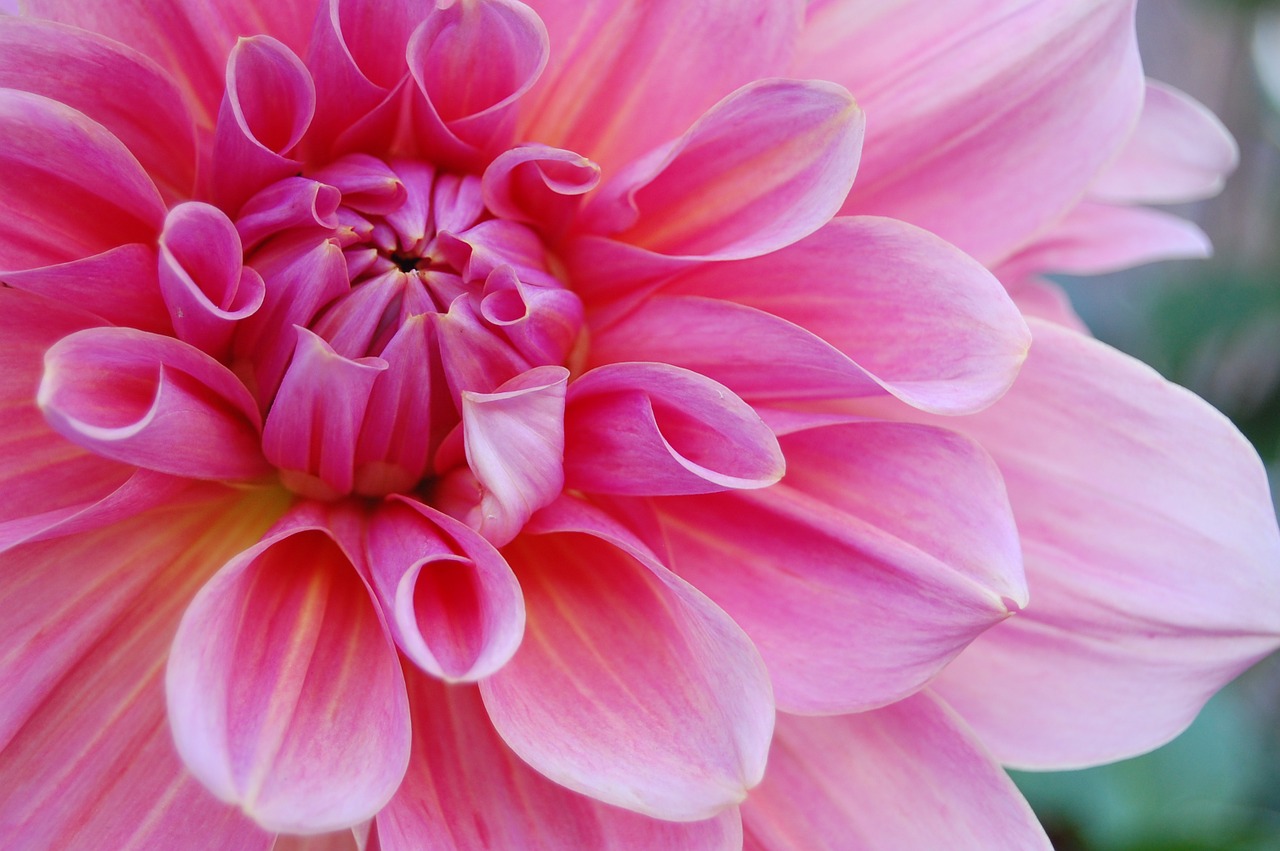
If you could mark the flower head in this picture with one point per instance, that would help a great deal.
(507, 426)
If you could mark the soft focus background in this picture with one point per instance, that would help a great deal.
(1213, 326)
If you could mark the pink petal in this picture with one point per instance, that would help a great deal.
(1179, 151)
(1046, 300)
(302, 273)
(1097, 238)
(88, 752)
(472, 62)
(268, 106)
(650, 428)
(68, 188)
(40, 472)
(905, 312)
(514, 440)
(355, 839)
(295, 202)
(977, 103)
(285, 692)
(311, 432)
(203, 279)
(466, 790)
(539, 184)
(625, 77)
(190, 38)
(542, 323)
(884, 552)
(630, 686)
(910, 775)
(152, 401)
(122, 90)
(454, 605)
(120, 285)
(474, 357)
(765, 167)
(1151, 550)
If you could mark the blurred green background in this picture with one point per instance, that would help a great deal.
(1213, 326)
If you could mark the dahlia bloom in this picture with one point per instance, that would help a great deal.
(486, 425)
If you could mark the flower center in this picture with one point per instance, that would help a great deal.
(439, 302)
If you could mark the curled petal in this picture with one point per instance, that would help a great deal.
(151, 401)
(629, 686)
(472, 62)
(68, 187)
(886, 550)
(122, 90)
(648, 429)
(1179, 151)
(285, 693)
(268, 106)
(767, 166)
(454, 606)
(542, 323)
(203, 279)
(538, 184)
(911, 775)
(310, 434)
(295, 202)
(493, 799)
(514, 439)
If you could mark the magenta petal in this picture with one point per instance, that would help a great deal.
(311, 432)
(203, 279)
(768, 165)
(88, 760)
(1131, 495)
(492, 799)
(853, 600)
(514, 440)
(908, 776)
(649, 428)
(454, 605)
(151, 401)
(472, 62)
(295, 202)
(68, 187)
(268, 106)
(539, 184)
(1179, 151)
(120, 285)
(629, 686)
(120, 89)
(285, 692)
(625, 78)
(392, 454)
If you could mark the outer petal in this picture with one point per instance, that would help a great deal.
(627, 76)
(975, 104)
(1151, 551)
(453, 604)
(466, 791)
(650, 428)
(1179, 151)
(116, 87)
(630, 686)
(284, 689)
(190, 38)
(884, 552)
(68, 187)
(910, 775)
(152, 401)
(40, 471)
(89, 763)
(1097, 238)
(908, 314)
(766, 166)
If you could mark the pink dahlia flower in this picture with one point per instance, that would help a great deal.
(479, 425)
